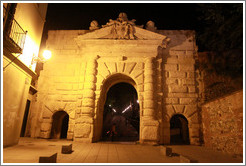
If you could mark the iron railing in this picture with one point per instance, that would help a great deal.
(14, 35)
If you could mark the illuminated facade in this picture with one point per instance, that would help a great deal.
(159, 64)
(22, 31)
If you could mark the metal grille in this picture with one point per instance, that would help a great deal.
(14, 35)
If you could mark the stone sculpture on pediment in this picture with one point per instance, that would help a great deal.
(165, 42)
(150, 25)
(94, 25)
(122, 28)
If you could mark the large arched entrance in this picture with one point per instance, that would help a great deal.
(118, 104)
(121, 109)
(179, 131)
(59, 125)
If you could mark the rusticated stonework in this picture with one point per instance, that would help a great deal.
(86, 63)
(223, 123)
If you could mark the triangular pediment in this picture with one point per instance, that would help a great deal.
(122, 29)
(106, 33)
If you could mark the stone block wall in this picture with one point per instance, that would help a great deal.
(60, 84)
(179, 81)
(222, 121)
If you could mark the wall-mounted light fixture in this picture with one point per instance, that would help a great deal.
(46, 55)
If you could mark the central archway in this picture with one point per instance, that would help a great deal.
(121, 112)
(110, 110)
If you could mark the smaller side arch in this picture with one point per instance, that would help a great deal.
(59, 128)
(179, 129)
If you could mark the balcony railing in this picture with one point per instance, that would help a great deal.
(13, 41)
(13, 34)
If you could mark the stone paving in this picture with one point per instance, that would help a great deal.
(28, 151)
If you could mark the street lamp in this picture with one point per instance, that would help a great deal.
(46, 55)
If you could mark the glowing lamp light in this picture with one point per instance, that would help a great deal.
(46, 54)
(137, 101)
(45, 57)
(126, 109)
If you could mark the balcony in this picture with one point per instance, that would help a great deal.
(13, 34)
(13, 41)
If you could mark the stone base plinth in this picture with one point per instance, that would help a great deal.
(84, 140)
(150, 131)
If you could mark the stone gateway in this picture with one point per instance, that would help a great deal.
(159, 64)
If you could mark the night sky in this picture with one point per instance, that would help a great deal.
(166, 16)
(78, 16)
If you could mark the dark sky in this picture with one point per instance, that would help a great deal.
(79, 15)
(167, 16)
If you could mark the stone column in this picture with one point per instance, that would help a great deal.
(88, 102)
(149, 102)
(84, 124)
(149, 124)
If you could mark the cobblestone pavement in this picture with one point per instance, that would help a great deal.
(28, 151)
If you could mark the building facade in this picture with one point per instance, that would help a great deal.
(22, 31)
(159, 64)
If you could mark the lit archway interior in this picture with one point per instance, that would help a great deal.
(179, 131)
(121, 109)
(59, 125)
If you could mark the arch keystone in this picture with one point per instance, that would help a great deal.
(179, 108)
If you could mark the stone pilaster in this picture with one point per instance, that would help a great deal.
(149, 102)
(149, 123)
(88, 103)
(84, 123)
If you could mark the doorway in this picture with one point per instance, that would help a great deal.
(24, 122)
(59, 125)
(121, 109)
(179, 131)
